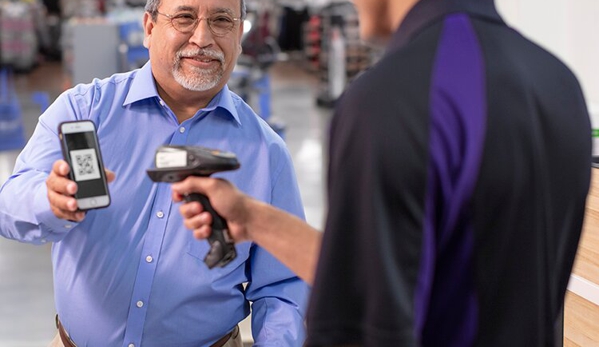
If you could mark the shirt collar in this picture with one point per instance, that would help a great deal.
(143, 87)
(427, 11)
(224, 100)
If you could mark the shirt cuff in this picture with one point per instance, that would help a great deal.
(49, 223)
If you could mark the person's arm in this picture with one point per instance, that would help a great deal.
(279, 297)
(36, 205)
(25, 212)
(288, 238)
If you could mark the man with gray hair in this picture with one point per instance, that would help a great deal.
(131, 274)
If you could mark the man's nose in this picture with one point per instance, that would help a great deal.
(202, 35)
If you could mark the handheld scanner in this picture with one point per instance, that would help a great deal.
(174, 164)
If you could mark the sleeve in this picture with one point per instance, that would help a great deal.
(25, 213)
(279, 298)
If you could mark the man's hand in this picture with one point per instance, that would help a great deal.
(61, 190)
(226, 200)
(288, 238)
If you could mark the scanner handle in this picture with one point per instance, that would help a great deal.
(222, 248)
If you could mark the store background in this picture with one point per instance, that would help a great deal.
(294, 93)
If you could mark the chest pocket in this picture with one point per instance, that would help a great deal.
(199, 249)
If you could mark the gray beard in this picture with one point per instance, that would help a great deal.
(200, 80)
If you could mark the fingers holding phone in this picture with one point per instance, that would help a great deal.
(79, 183)
(61, 191)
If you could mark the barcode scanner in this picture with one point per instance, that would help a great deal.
(174, 164)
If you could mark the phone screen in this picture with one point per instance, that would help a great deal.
(81, 150)
(85, 164)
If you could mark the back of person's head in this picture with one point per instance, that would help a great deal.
(152, 8)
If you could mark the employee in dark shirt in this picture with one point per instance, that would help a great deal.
(459, 169)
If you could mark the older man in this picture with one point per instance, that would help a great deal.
(130, 274)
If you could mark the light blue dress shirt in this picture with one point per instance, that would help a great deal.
(131, 274)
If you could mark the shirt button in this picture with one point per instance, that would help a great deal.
(140, 304)
(159, 214)
(149, 259)
(68, 226)
(182, 130)
(131, 345)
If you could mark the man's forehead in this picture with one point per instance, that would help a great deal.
(202, 5)
(218, 9)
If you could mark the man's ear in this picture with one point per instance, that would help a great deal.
(148, 24)
(240, 34)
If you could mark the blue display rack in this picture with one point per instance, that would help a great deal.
(12, 133)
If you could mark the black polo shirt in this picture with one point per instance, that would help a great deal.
(459, 168)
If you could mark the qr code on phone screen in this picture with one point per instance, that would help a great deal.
(85, 164)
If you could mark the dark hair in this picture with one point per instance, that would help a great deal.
(152, 8)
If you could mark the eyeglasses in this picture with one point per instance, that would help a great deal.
(220, 24)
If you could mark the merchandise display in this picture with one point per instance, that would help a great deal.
(312, 42)
(18, 34)
(323, 35)
(333, 46)
(12, 134)
(260, 50)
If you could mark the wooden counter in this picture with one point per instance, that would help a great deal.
(581, 315)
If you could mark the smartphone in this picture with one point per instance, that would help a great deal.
(81, 150)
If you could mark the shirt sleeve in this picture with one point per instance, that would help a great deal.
(25, 213)
(279, 297)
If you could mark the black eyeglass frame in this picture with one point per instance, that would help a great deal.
(197, 20)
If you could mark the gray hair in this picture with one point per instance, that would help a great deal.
(152, 8)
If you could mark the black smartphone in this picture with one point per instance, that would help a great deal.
(81, 150)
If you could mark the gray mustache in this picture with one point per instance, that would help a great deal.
(205, 53)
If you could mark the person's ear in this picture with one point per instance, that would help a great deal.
(148, 24)
(240, 34)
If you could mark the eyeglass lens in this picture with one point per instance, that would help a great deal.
(219, 24)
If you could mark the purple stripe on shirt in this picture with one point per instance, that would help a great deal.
(445, 299)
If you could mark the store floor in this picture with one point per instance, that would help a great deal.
(26, 293)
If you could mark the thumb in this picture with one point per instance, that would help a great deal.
(109, 175)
